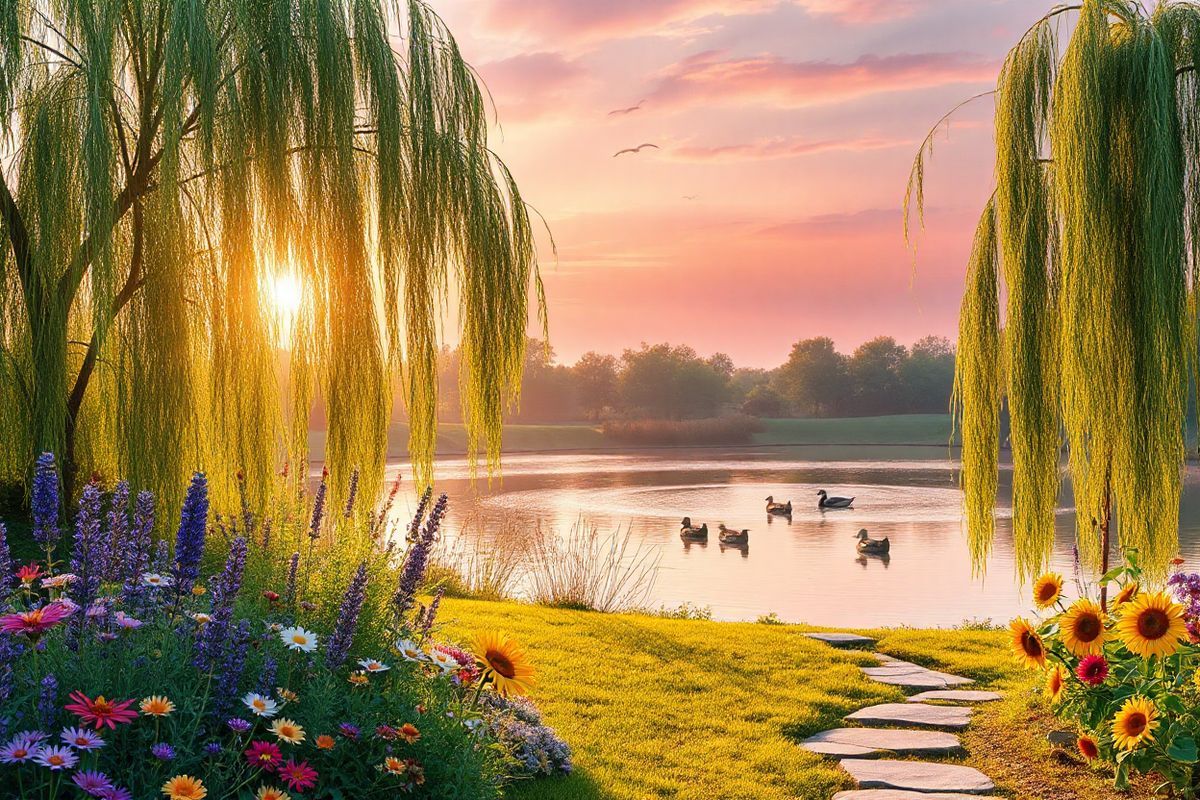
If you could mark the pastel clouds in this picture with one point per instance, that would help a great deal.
(575, 20)
(782, 147)
(862, 12)
(530, 85)
(717, 76)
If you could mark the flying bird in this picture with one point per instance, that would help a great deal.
(690, 196)
(637, 149)
(620, 112)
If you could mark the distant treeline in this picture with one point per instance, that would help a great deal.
(673, 382)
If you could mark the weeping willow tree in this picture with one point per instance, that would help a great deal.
(166, 163)
(1090, 243)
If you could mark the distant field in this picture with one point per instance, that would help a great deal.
(919, 429)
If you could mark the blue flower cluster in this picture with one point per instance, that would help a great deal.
(517, 723)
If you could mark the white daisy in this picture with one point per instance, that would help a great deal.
(57, 581)
(410, 650)
(154, 579)
(447, 662)
(299, 639)
(260, 704)
(371, 665)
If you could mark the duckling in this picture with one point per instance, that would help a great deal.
(730, 536)
(868, 545)
(833, 502)
(691, 532)
(783, 509)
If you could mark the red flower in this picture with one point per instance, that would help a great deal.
(36, 622)
(100, 711)
(29, 573)
(1088, 747)
(300, 777)
(409, 733)
(1092, 670)
(271, 596)
(264, 755)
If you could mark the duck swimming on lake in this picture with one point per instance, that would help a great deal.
(783, 509)
(868, 545)
(693, 533)
(833, 502)
(730, 536)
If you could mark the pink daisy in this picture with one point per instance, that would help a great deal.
(101, 711)
(36, 622)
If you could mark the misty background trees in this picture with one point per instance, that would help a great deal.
(674, 382)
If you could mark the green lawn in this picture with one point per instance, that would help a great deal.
(664, 708)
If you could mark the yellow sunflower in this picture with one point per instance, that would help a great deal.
(1083, 629)
(1152, 625)
(1056, 684)
(1027, 644)
(1047, 589)
(1134, 723)
(504, 664)
(1127, 593)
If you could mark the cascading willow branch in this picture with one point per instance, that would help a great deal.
(1096, 226)
(165, 161)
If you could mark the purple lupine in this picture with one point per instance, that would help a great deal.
(416, 559)
(431, 612)
(229, 673)
(414, 527)
(87, 562)
(47, 704)
(118, 532)
(223, 590)
(353, 494)
(45, 503)
(162, 557)
(8, 577)
(289, 590)
(137, 551)
(266, 675)
(347, 621)
(318, 513)
(10, 651)
(189, 541)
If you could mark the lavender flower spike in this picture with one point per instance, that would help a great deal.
(45, 502)
(118, 532)
(318, 514)
(189, 541)
(137, 550)
(8, 580)
(353, 494)
(431, 612)
(47, 704)
(289, 592)
(87, 561)
(416, 559)
(224, 591)
(343, 635)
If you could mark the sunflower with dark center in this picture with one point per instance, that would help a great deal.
(504, 664)
(1135, 723)
(1082, 628)
(1047, 589)
(1152, 625)
(1027, 644)
(1088, 747)
(1056, 684)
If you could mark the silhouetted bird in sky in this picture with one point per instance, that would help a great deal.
(637, 149)
(620, 112)
(690, 196)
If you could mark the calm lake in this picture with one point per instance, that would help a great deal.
(803, 570)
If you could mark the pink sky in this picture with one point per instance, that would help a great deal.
(791, 125)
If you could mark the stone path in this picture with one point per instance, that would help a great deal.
(914, 729)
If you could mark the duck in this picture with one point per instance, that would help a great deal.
(691, 533)
(783, 509)
(730, 536)
(868, 545)
(833, 502)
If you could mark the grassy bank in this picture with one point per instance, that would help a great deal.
(689, 709)
(920, 429)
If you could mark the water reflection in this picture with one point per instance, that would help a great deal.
(804, 567)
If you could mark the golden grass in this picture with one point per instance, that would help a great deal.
(691, 709)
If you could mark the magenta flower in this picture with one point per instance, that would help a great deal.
(36, 622)
(92, 782)
(101, 711)
(1092, 670)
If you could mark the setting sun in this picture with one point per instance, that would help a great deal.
(286, 292)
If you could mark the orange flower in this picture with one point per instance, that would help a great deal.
(1089, 748)
(324, 742)
(409, 733)
(393, 765)
(156, 706)
(184, 787)
(359, 678)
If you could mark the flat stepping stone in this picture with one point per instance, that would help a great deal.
(899, 794)
(957, 696)
(876, 742)
(917, 715)
(842, 640)
(913, 676)
(917, 776)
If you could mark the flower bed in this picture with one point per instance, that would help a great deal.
(307, 666)
(1126, 676)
